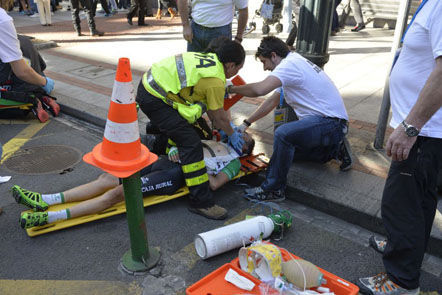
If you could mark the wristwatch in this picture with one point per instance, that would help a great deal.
(410, 130)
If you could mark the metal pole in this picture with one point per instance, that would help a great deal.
(315, 18)
(401, 24)
(140, 257)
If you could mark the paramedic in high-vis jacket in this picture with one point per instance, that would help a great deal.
(175, 92)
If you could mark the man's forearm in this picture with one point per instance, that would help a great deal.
(430, 99)
(184, 12)
(266, 107)
(26, 73)
(243, 16)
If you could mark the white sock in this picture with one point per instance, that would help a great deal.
(52, 199)
(58, 215)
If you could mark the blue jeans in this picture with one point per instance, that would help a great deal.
(313, 138)
(203, 35)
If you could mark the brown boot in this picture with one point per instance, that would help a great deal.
(158, 16)
(215, 212)
(172, 12)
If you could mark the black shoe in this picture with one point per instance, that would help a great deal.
(358, 28)
(78, 33)
(258, 194)
(345, 155)
(143, 25)
(129, 21)
(215, 212)
(377, 244)
(95, 32)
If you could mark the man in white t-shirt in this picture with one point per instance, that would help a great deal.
(409, 201)
(210, 20)
(319, 133)
(10, 53)
(12, 63)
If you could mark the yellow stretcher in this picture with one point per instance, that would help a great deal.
(249, 164)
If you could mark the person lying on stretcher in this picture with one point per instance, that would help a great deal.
(163, 177)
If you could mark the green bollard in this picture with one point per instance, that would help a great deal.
(140, 257)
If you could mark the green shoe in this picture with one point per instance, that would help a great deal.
(31, 199)
(28, 220)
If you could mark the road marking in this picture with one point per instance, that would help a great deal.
(37, 287)
(20, 139)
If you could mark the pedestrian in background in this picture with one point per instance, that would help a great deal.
(44, 11)
(87, 8)
(357, 13)
(138, 7)
(210, 20)
(409, 200)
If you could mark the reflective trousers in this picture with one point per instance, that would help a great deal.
(187, 141)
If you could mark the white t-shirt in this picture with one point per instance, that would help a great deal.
(215, 13)
(308, 89)
(9, 44)
(422, 45)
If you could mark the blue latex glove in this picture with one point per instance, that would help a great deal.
(49, 85)
(236, 141)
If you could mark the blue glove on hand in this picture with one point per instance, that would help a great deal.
(49, 85)
(236, 141)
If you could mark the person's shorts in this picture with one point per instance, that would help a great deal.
(232, 169)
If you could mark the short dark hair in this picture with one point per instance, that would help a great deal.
(227, 50)
(250, 142)
(271, 44)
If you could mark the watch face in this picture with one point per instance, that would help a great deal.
(412, 131)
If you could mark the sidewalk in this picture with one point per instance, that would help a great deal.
(84, 71)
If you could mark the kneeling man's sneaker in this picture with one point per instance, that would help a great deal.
(345, 155)
(381, 285)
(215, 212)
(28, 220)
(258, 194)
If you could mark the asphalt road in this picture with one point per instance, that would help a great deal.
(90, 254)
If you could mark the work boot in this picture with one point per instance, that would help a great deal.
(95, 32)
(30, 199)
(50, 104)
(28, 220)
(215, 212)
(172, 12)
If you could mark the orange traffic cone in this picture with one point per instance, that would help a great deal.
(121, 152)
(229, 102)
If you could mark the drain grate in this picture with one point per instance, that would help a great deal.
(42, 159)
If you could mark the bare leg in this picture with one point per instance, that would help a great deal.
(92, 189)
(100, 203)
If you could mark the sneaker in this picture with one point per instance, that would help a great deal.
(345, 155)
(258, 194)
(40, 113)
(358, 28)
(381, 285)
(215, 212)
(108, 14)
(31, 199)
(28, 220)
(34, 15)
(377, 244)
(50, 104)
